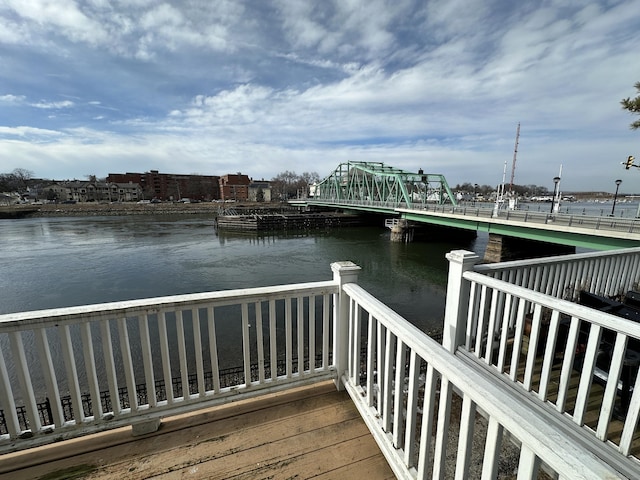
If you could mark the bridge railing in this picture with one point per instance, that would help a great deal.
(71, 371)
(578, 361)
(419, 401)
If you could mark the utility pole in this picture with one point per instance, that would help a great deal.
(515, 154)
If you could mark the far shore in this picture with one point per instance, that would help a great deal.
(90, 209)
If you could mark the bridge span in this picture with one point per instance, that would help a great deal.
(421, 198)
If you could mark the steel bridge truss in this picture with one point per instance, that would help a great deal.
(376, 184)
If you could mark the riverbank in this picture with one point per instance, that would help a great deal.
(91, 209)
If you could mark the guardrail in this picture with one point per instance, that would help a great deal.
(102, 366)
(580, 362)
(414, 396)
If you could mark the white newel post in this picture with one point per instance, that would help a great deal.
(343, 272)
(456, 309)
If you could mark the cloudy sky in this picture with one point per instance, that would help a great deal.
(91, 87)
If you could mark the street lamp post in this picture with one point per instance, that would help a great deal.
(475, 193)
(615, 196)
(556, 180)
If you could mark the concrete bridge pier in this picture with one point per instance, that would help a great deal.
(503, 249)
(401, 231)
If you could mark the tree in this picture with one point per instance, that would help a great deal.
(633, 106)
(18, 180)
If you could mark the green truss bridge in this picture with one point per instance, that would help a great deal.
(421, 198)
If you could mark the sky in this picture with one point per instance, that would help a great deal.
(211, 87)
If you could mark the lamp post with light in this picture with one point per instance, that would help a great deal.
(615, 196)
(556, 180)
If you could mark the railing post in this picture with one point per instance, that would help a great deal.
(455, 314)
(343, 272)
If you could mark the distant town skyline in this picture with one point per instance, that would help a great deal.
(264, 87)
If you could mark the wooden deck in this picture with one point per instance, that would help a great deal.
(308, 432)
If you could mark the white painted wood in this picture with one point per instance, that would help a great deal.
(533, 344)
(586, 375)
(398, 397)
(127, 363)
(213, 349)
(312, 333)
(371, 355)
(326, 323)
(442, 429)
(426, 430)
(260, 341)
(300, 331)
(182, 355)
(166, 359)
(631, 421)
(387, 388)
(72, 374)
(147, 360)
(567, 364)
(197, 346)
(288, 337)
(492, 449)
(246, 345)
(110, 366)
(7, 400)
(528, 465)
(50, 378)
(90, 369)
(611, 389)
(549, 354)
(465, 438)
(412, 406)
(24, 379)
(273, 346)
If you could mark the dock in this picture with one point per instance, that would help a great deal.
(257, 222)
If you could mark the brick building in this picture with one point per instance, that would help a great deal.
(168, 186)
(234, 187)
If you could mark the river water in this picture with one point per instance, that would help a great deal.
(57, 262)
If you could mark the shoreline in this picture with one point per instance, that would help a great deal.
(124, 209)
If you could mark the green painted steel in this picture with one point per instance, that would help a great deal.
(376, 185)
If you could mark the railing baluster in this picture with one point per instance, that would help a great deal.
(517, 340)
(90, 368)
(51, 383)
(426, 429)
(504, 332)
(110, 366)
(412, 406)
(312, 333)
(371, 353)
(381, 337)
(481, 321)
(491, 327)
(356, 339)
(398, 400)
(246, 345)
(326, 311)
(147, 361)
(492, 450)
(72, 374)
(288, 335)
(549, 352)
(611, 389)
(273, 349)
(465, 438)
(631, 421)
(125, 348)
(531, 350)
(166, 358)
(213, 349)
(197, 345)
(387, 390)
(182, 355)
(587, 374)
(300, 332)
(567, 364)
(260, 341)
(7, 400)
(442, 429)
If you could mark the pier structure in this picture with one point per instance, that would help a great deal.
(523, 364)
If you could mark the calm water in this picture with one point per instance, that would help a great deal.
(57, 262)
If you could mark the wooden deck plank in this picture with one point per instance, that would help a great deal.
(309, 431)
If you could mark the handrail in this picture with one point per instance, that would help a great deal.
(398, 354)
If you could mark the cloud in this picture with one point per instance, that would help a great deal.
(49, 105)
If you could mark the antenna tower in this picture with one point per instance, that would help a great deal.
(515, 154)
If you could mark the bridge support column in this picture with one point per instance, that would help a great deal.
(502, 249)
(401, 232)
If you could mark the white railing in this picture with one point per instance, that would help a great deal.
(577, 361)
(610, 273)
(411, 391)
(72, 371)
(413, 395)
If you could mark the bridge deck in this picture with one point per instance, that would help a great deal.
(306, 432)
